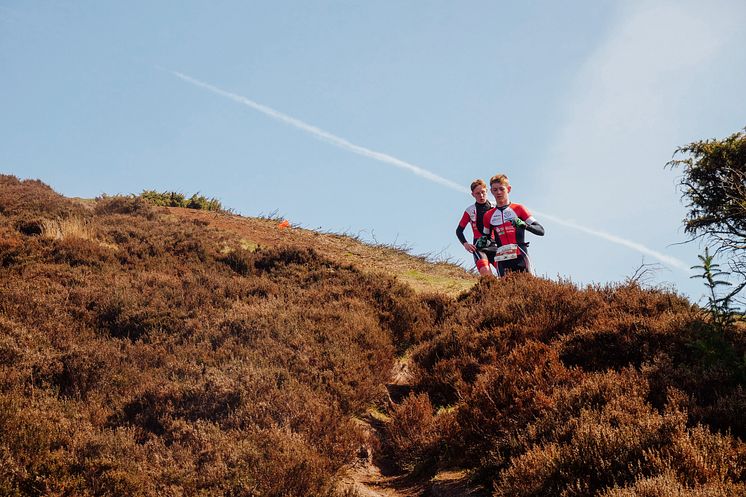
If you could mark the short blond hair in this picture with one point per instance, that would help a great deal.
(499, 178)
(478, 182)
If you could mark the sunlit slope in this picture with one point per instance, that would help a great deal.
(541, 388)
(154, 351)
(251, 233)
(147, 352)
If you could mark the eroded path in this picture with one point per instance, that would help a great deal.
(373, 475)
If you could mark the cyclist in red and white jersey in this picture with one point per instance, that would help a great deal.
(507, 224)
(474, 216)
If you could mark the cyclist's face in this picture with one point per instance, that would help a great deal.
(500, 191)
(480, 194)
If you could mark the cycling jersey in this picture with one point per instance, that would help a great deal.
(474, 215)
(512, 253)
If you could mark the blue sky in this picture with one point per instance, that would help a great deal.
(581, 103)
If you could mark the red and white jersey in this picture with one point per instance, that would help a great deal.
(474, 215)
(498, 220)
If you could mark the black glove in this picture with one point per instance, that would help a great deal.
(483, 242)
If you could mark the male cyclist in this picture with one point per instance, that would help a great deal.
(474, 215)
(507, 223)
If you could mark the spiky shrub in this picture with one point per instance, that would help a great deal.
(720, 307)
(176, 199)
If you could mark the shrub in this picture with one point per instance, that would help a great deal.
(412, 435)
(79, 252)
(123, 314)
(490, 321)
(563, 391)
(81, 370)
(622, 341)
(667, 485)
(30, 198)
(441, 307)
(10, 250)
(138, 361)
(122, 204)
(175, 199)
(505, 399)
(31, 228)
(241, 261)
(615, 443)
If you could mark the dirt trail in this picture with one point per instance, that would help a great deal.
(374, 476)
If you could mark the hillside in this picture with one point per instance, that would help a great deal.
(416, 272)
(161, 351)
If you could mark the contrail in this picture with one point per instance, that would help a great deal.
(666, 259)
(324, 135)
(419, 171)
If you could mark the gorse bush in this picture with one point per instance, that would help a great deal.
(175, 199)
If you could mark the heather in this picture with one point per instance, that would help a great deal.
(144, 351)
(540, 388)
(146, 356)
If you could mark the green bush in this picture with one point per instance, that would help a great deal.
(176, 199)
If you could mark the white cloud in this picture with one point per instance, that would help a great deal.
(623, 120)
(623, 106)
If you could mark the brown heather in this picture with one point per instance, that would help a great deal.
(145, 353)
(138, 358)
(543, 389)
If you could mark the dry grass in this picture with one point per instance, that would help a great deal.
(416, 272)
(61, 229)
